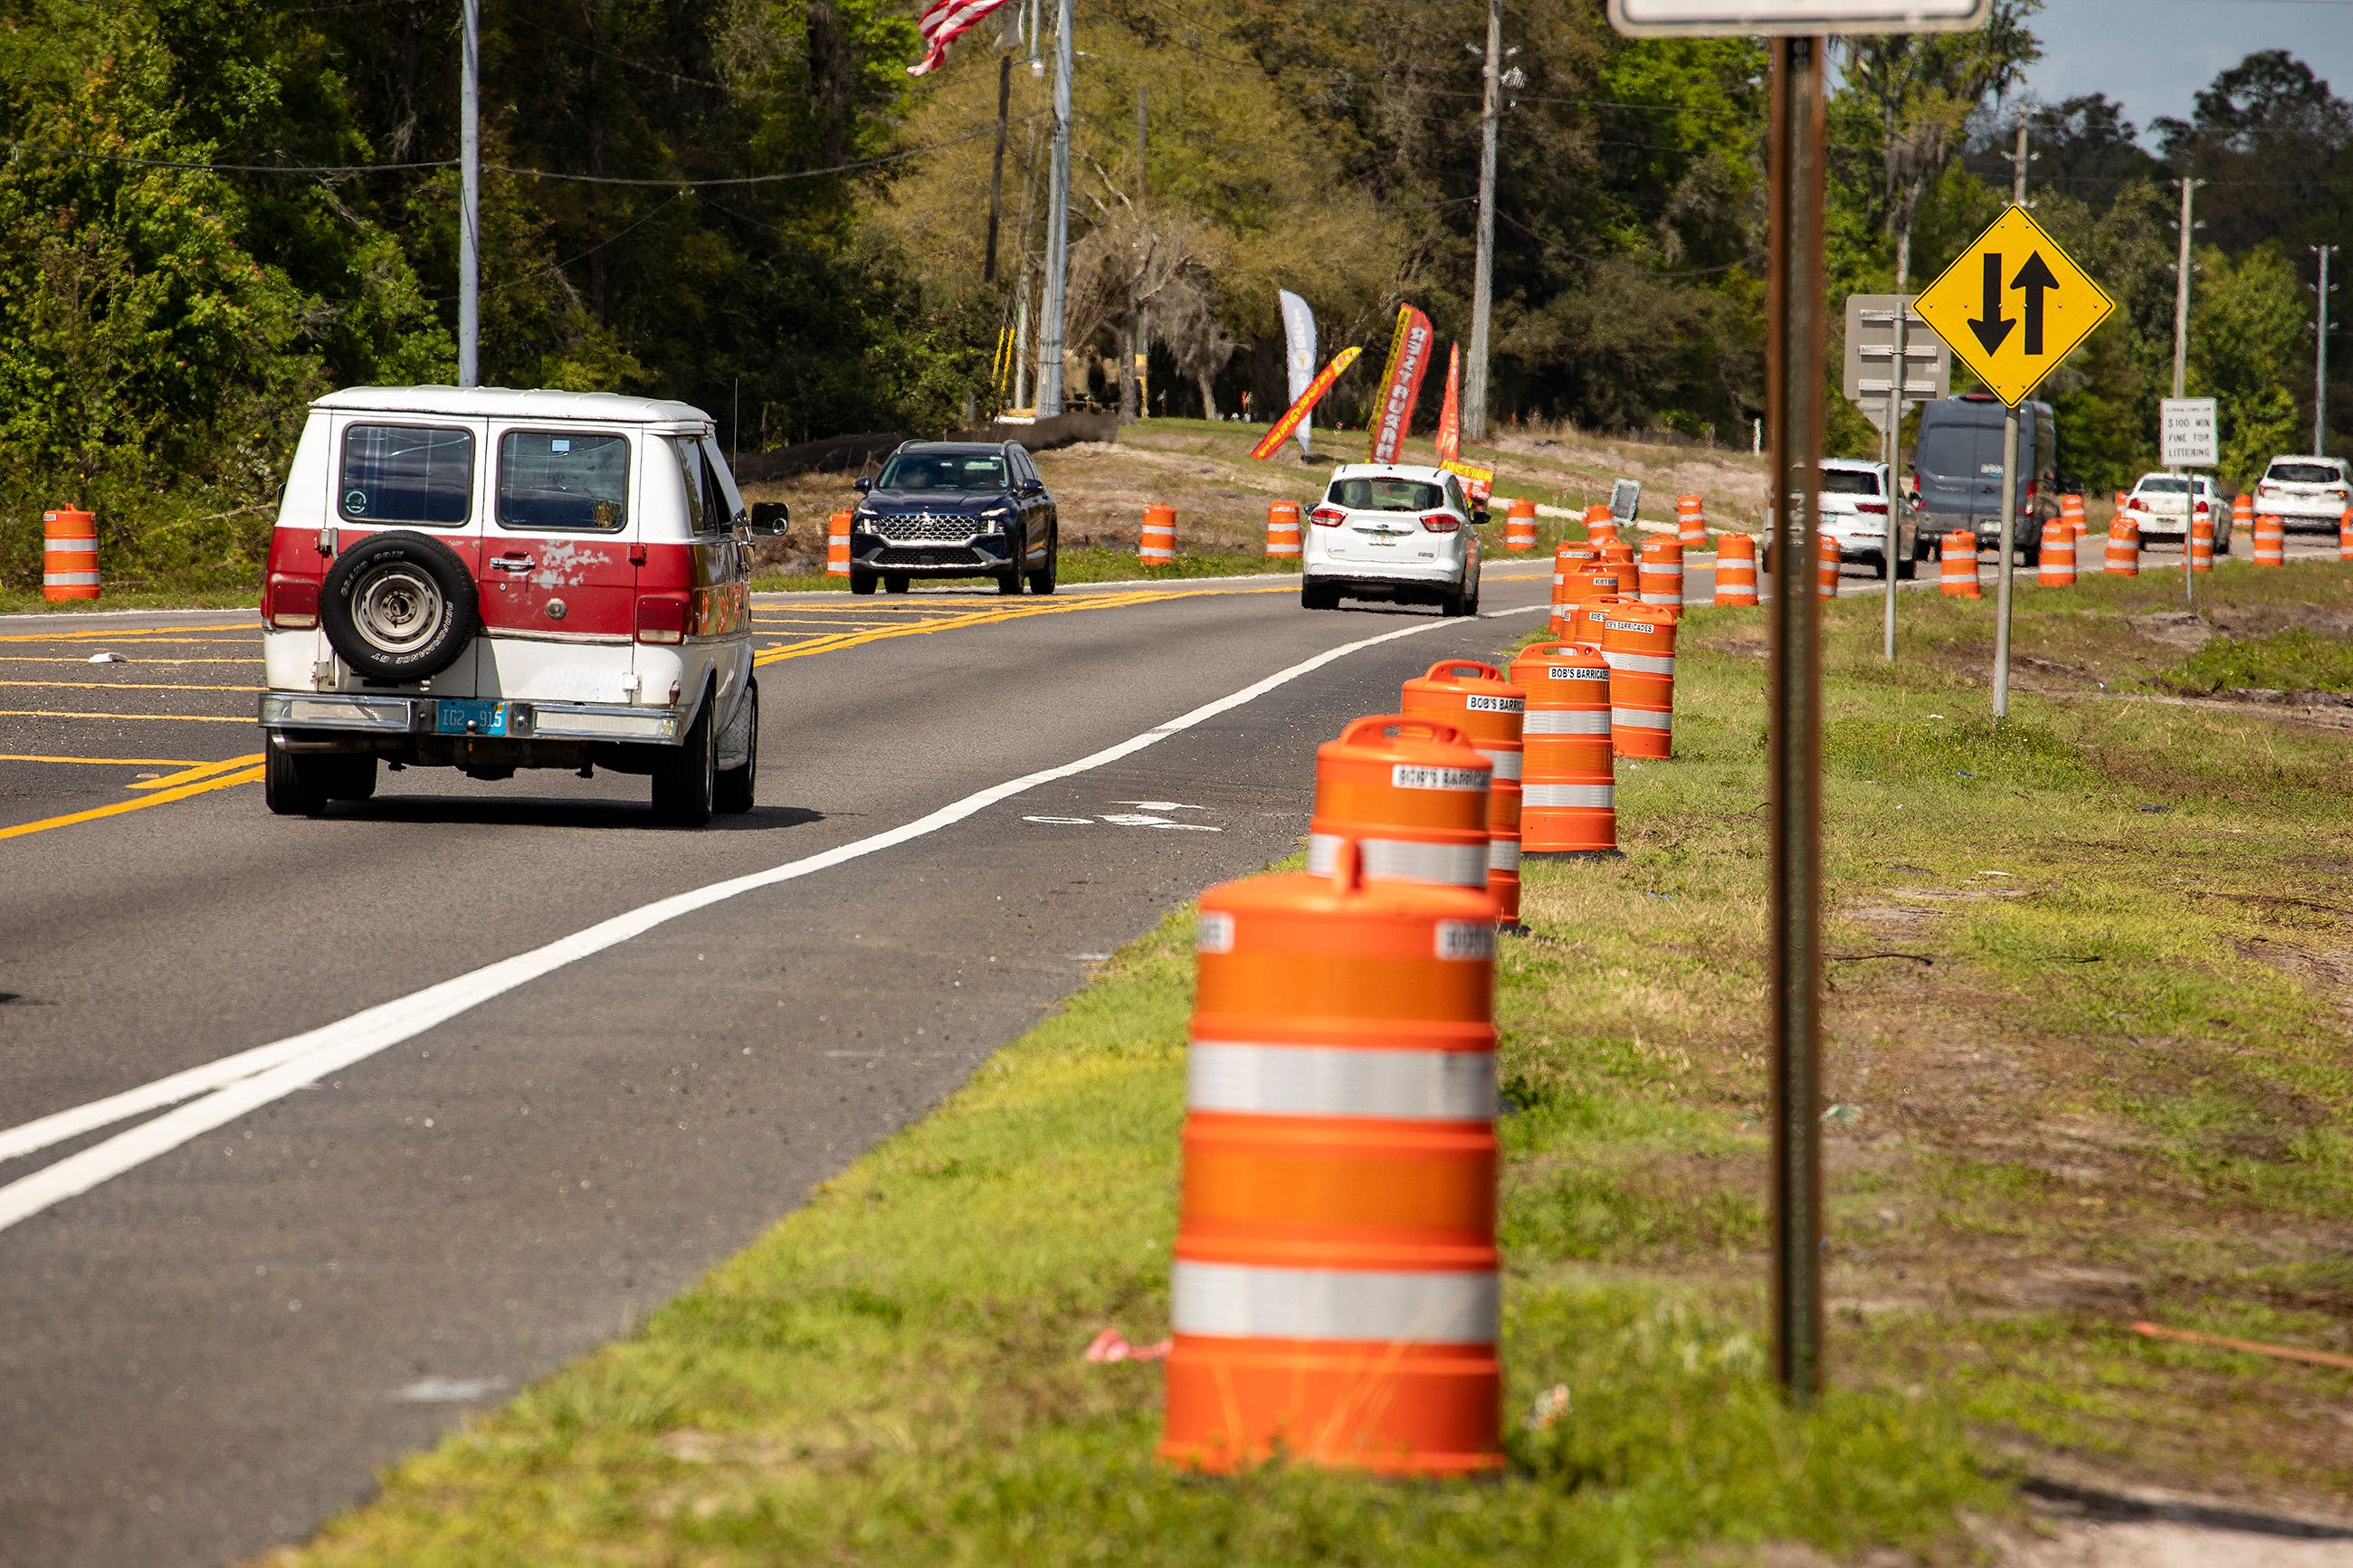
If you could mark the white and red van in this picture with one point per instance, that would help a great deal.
(489, 580)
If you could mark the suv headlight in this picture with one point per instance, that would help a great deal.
(993, 520)
(861, 519)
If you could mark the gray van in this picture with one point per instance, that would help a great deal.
(1957, 473)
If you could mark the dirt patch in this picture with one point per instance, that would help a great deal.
(2175, 628)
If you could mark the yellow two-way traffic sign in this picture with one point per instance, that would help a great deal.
(2013, 305)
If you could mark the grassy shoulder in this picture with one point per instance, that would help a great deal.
(2085, 1025)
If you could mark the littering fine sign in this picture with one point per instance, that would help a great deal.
(2185, 433)
(1746, 19)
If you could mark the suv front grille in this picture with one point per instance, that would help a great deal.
(945, 527)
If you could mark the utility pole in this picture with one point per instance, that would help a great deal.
(2320, 362)
(1058, 227)
(2003, 570)
(1793, 422)
(469, 200)
(2182, 289)
(1482, 281)
(1142, 313)
(996, 166)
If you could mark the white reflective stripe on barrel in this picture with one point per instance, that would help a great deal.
(1576, 721)
(1503, 855)
(1507, 763)
(1333, 1080)
(77, 579)
(85, 545)
(1644, 663)
(1639, 719)
(1673, 598)
(1234, 1300)
(1404, 861)
(1603, 797)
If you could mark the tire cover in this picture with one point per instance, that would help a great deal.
(366, 563)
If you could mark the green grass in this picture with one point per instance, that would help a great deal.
(2087, 1064)
(2297, 660)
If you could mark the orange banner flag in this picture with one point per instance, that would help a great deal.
(1449, 408)
(1280, 431)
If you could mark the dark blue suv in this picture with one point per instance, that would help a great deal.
(955, 509)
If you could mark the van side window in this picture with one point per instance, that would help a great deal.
(570, 480)
(689, 468)
(720, 492)
(406, 473)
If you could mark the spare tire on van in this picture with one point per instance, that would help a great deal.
(399, 606)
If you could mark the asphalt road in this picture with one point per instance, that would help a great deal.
(214, 1348)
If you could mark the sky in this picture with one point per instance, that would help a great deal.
(2153, 56)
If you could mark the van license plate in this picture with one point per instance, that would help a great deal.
(455, 716)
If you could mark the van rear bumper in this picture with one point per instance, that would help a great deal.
(390, 716)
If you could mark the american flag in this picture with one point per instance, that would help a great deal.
(942, 24)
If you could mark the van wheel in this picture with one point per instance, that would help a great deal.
(348, 777)
(736, 785)
(686, 780)
(292, 785)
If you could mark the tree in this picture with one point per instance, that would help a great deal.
(2247, 347)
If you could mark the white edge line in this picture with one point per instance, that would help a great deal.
(251, 1079)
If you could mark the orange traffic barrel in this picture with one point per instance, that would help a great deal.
(1638, 642)
(2055, 561)
(1281, 529)
(1334, 1294)
(1157, 545)
(1477, 699)
(1959, 577)
(1618, 553)
(1691, 522)
(1585, 626)
(2242, 514)
(2345, 535)
(1567, 557)
(1520, 525)
(1600, 525)
(1661, 573)
(837, 545)
(2122, 558)
(1410, 793)
(1568, 794)
(1826, 566)
(68, 555)
(2201, 544)
(1581, 586)
(1735, 568)
(2071, 511)
(2271, 541)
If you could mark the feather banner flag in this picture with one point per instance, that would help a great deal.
(1401, 387)
(1293, 416)
(1450, 406)
(1298, 353)
(942, 22)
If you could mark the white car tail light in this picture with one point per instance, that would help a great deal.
(1327, 517)
(1876, 508)
(1440, 522)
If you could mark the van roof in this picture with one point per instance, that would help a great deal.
(507, 402)
(1976, 408)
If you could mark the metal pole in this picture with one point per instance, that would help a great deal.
(1483, 273)
(1793, 419)
(1895, 382)
(1058, 227)
(2002, 572)
(2320, 363)
(1142, 313)
(469, 200)
(996, 166)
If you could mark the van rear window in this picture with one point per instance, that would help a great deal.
(1958, 452)
(404, 473)
(568, 479)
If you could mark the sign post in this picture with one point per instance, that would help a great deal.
(1888, 365)
(2012, 350)
(1793, 428)
(2186, 440)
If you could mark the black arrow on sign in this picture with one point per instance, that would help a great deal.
(1992, 328)
(2036, 279)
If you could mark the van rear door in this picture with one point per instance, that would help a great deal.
(1959, 465)
(558, 583)
(416, 473)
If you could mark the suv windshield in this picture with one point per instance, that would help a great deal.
(1849, 483)
(1386, 495)
(2305, 474)
(943, 471)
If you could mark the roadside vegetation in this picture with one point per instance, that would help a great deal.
(2089, 991)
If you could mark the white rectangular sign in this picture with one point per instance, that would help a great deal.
(1744, 19)
(2185, 433)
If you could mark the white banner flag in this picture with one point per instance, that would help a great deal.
(1298, 352)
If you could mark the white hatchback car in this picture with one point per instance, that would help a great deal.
(2157, 507)
(1387, 531)
(2304, 492)
(489, 580)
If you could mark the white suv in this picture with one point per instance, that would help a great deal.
(2303, 492)
(2157, 507)
(1384, 531)
(489, 580)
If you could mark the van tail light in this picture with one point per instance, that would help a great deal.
(661, 618)
(1875, 508)
(1327, 517)
(290, 603)
(1441, 522)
